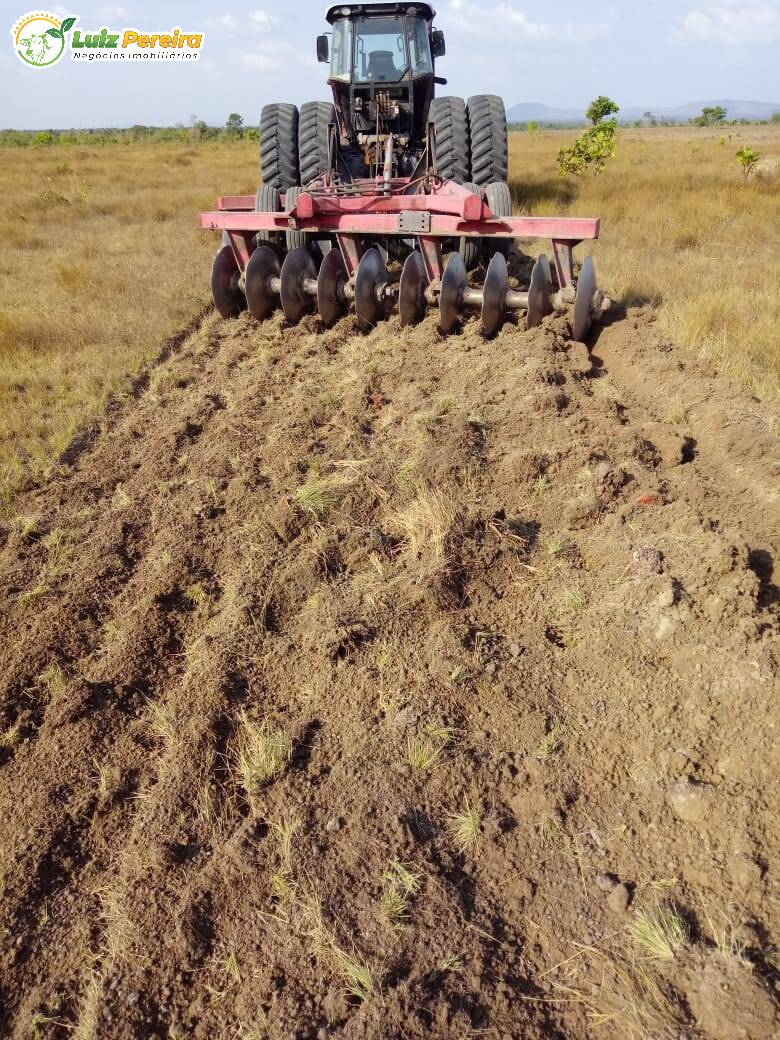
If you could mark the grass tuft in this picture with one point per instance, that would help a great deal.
(659, 931)
(400, 884)
(423, 752)
(425, 524)
(261, 753)
(465, 828)
(319, 495)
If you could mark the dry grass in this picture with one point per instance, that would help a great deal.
(401, 883)
(681, 232)
(101, 260)
(261, 753)
(659, 931)
(465, 828)
(425, 524)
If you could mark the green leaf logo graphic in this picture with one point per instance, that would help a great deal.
(67, 24)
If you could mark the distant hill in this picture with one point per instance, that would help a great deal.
(533, 111)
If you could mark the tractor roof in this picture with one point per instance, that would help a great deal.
(379, 10)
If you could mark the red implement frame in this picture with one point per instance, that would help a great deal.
(437, 209)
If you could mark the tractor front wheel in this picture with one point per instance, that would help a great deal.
(279, 146)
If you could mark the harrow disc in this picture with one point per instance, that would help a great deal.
(262, 267)
(411, 291)
(228, 298)
(453, 282)
(370, 278)
(331, 302)
(539, 293)
(298, 266)
(583, 301)
(494, 295)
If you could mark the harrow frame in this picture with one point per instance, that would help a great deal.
(358, 214)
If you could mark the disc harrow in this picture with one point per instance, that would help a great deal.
(358, 225)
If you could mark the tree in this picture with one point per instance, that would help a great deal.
(595, 145)
(649, 119)
(775, 117)
(600, 109)
(747, 159)
(235, 125)
(711, 116)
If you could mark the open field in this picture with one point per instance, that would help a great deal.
(365, 687)
(388, 686)
(101, 260)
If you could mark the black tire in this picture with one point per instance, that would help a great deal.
(279, 146)
(293, 238)
(470, 248)
(448, 115)
(488, 142)
(313, 138)
(499, 198)
(267, 201)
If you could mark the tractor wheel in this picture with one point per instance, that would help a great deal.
(488, 139)
(313, 138)
(267, 201)
(279, 146)
(293, 238)
(499, 198)
(470, 248)
(448, 115)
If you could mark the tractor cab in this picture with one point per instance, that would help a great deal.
(381, 70)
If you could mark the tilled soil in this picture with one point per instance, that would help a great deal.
(513, 606)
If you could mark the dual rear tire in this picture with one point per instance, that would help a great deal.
(293, 144)
(471, 139)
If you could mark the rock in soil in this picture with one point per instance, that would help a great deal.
(619, 899)
(689, 800)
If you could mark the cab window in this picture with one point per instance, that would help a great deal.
(341, 56)
(380, 50)
(419, 48)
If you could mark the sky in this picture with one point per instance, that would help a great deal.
(642, 54)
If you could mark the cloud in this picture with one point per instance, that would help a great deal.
(734, 23)
(270, 54)
(222, 21)
(112, 13)
(532, 30)
(515, 27)
(260, 62)
(260, 19)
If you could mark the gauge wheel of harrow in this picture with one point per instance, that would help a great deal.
(448, 115)
(319, 247)
(488, 142)
(470, 248)
(279, 146)
(313, 124)
(294, 239)
(499, 199)
(267, 200)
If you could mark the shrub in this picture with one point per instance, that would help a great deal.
(595, 145)
(747, 159)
